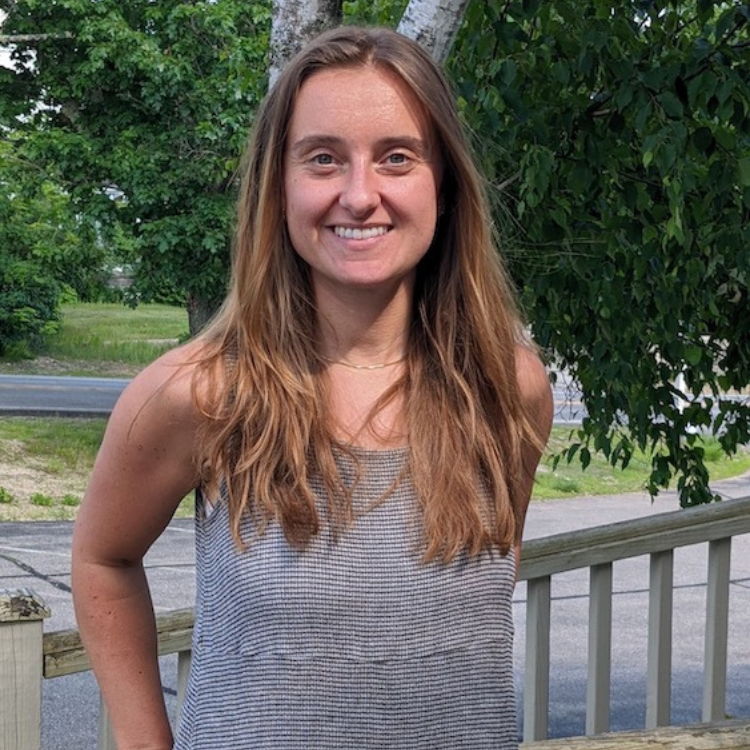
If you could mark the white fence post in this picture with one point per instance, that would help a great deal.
(22, 615)
(659, 659)
(717, 624)
(536, 688)
(600, 648)
(105, 738)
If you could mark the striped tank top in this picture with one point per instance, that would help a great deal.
(354, 643)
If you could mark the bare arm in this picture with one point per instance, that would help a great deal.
(144, 468)
(536, 393)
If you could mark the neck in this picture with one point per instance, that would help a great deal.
(364, 328)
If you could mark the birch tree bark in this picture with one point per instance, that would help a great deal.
(294, 23)
(434, 24)
(24, 38)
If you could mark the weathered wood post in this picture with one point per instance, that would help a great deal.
(22, 615)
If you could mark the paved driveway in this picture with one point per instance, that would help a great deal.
(37, 555)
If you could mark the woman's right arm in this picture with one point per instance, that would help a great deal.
(145, 466)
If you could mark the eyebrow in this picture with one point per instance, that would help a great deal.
(309, 142)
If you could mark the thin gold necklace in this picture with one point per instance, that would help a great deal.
(378, 366)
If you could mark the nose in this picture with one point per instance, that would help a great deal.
(360, 194)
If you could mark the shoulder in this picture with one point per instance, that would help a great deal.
(157, 411)
(531, 374)
(165, 387)
(534, 388)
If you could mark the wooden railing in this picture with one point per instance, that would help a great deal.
(64, 654)
(27, 654)
(597, 549)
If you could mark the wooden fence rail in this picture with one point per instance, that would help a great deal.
(597, 549)
(27, 654)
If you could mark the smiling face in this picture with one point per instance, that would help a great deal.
(361, 180)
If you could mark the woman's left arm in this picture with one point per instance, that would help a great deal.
(536, 394)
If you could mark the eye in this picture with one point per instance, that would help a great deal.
(322, 160)
(397, 159)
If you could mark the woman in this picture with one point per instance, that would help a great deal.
(362, 420)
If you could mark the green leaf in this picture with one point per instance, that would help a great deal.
(585, 456)
(743, 169)
(705, 8)
(703, 139)
(671, 105)
(571, 452)
(693, 354)
(509, 72)
(725, 138)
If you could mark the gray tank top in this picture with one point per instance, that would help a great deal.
(352, 644)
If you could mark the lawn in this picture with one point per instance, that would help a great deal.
(100, 339)
(600, 478)
(45, 463)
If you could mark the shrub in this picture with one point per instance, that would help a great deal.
(28, 305)
(5, 497)
(39, 498)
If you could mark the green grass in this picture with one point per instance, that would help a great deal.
(39, 498)
(45, 464)
(62, 445)
(117, 333)
(602, 479)
(106, 339)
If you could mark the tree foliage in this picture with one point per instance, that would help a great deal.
(617, 139)
(28, 305)
(40, 225)
(45, 251)
(143, 107)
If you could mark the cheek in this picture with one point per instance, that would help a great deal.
(299, 218)
(302, 202)
(288, 195)
(294, 205)
(429, 189)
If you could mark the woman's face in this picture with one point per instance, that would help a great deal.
(361, 179)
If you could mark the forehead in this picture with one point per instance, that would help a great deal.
(362, 102)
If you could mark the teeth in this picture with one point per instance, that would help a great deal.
(350, 233)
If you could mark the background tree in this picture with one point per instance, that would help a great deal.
(143, 107)
(617, 139)
(45, 252)
(615, 136)
(293, 23)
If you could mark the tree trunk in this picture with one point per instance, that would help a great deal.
(294, 23)
(200, 310)
(434, 24)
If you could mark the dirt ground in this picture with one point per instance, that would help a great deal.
(22, 477)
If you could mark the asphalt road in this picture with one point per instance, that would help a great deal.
(44, 395)
(37, 555)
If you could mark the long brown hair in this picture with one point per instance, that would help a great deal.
(260, 382)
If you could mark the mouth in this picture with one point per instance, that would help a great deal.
(360, 233)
